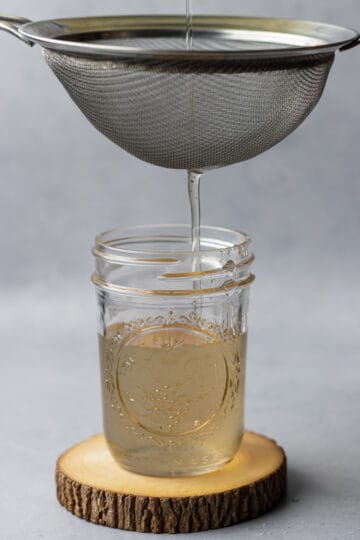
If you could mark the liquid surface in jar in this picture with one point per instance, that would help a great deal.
(173, 398)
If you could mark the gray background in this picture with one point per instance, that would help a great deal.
(63, 183)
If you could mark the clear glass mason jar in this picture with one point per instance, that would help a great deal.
(172, 346)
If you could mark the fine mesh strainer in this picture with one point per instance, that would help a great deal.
(246, 84)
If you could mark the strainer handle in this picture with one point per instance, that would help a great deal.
(351, 45)
(12, 25)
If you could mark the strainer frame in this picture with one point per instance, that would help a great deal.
(310, 37)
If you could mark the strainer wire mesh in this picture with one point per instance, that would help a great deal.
(193, 114)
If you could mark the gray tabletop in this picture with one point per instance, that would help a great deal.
(62, 183)
(303, 389)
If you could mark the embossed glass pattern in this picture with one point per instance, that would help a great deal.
(172, 347)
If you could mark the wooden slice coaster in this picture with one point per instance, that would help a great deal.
(92, 486)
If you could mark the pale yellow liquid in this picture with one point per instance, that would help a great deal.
(173, 398)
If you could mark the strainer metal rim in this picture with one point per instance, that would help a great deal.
(68, 34)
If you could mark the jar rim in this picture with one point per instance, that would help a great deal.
(119, 244)
(159, 260)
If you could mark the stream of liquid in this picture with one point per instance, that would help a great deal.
(194, 177)
(189, 25)
(195, 207)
